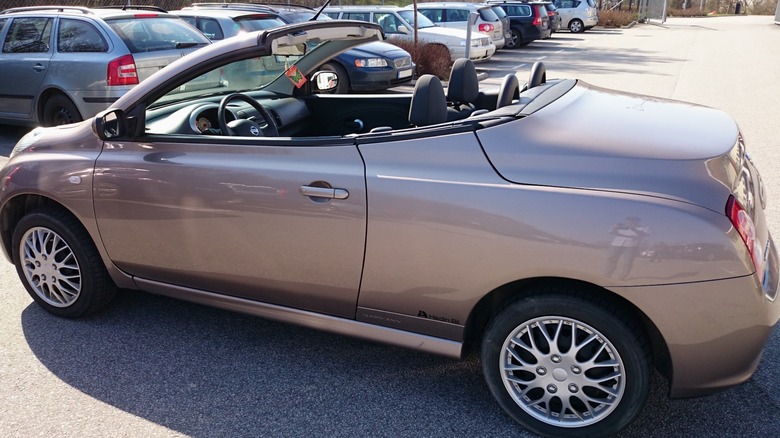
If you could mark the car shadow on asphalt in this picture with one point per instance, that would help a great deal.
(204, 371)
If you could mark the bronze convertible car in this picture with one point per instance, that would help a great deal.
(481, 223)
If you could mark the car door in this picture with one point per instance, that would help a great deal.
(24, 63)
(283, 222)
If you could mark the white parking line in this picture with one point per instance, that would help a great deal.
(518, 67)
(541, 58)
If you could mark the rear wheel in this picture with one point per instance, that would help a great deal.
(59, 110)
(59, 264)
(342, 87)
(562, 365)
(515, 40)
(576, 26)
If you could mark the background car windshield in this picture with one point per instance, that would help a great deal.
(422, 20)
(257, 22)
(487, 14)
(158, 33)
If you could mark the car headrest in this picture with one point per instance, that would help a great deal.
(429, 105)
(464, 83)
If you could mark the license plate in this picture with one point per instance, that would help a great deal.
(404, 74)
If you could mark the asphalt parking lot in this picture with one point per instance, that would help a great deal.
(152, 366)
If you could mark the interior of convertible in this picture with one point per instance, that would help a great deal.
(284, 95)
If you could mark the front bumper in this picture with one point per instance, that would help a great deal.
(371, 79)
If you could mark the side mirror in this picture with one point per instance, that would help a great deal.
(325, 80)
(110, 124)
(402, 29)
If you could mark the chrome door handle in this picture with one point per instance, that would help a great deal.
(39, 67)
(324, 192)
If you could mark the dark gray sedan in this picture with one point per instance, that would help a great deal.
(573, 257)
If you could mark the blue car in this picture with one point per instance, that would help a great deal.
(370, 67)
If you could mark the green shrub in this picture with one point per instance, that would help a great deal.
(431, 59)
(616, 18)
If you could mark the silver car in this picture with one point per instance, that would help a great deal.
(61, 64)
(574, 258)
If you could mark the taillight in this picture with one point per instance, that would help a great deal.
(121, 71)
(537, 21)
(743, 223)
(486, 27)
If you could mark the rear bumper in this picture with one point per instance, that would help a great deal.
(715, 331)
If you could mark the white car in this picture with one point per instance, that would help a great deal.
(577, 15)
(398, 23)
(456, 14)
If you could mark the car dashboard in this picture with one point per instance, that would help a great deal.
(201, 117)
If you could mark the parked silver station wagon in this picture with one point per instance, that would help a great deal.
(60, 64)
(574, 258)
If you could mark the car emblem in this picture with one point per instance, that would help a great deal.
(254, 131)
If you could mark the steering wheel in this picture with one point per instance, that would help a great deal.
(538, 75)
(246, 127)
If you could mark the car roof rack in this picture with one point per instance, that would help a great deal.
(129, 6)
(288, 6)
(81, 9)
(245, 6)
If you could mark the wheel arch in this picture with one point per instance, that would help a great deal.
(16, 208)
(492, 303)
(40, 105)
(22, 204)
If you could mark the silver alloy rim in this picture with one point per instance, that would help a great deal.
(50, 267)
(562, 372)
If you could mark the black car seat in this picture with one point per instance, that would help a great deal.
(429, 105)
(509, 91)
(462, 90)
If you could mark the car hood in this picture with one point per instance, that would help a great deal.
(378, 49)
(599, 139)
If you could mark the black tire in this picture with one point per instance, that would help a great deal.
(549, 381)
(51, 246)
(59, 110)
(515, 41)
(576, 26)
(343, 85)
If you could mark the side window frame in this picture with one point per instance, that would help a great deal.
(39, 31)
(99, 43)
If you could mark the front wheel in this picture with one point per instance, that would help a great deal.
(59, 264)
(561, 365)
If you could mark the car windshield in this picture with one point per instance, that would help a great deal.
(251, 23)
(151, 34)
(238, 76)
(498, 11)
(422, 20)
(487, 14)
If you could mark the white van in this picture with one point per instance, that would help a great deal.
(398, 23)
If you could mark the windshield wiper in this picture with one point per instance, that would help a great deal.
(186, 45)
